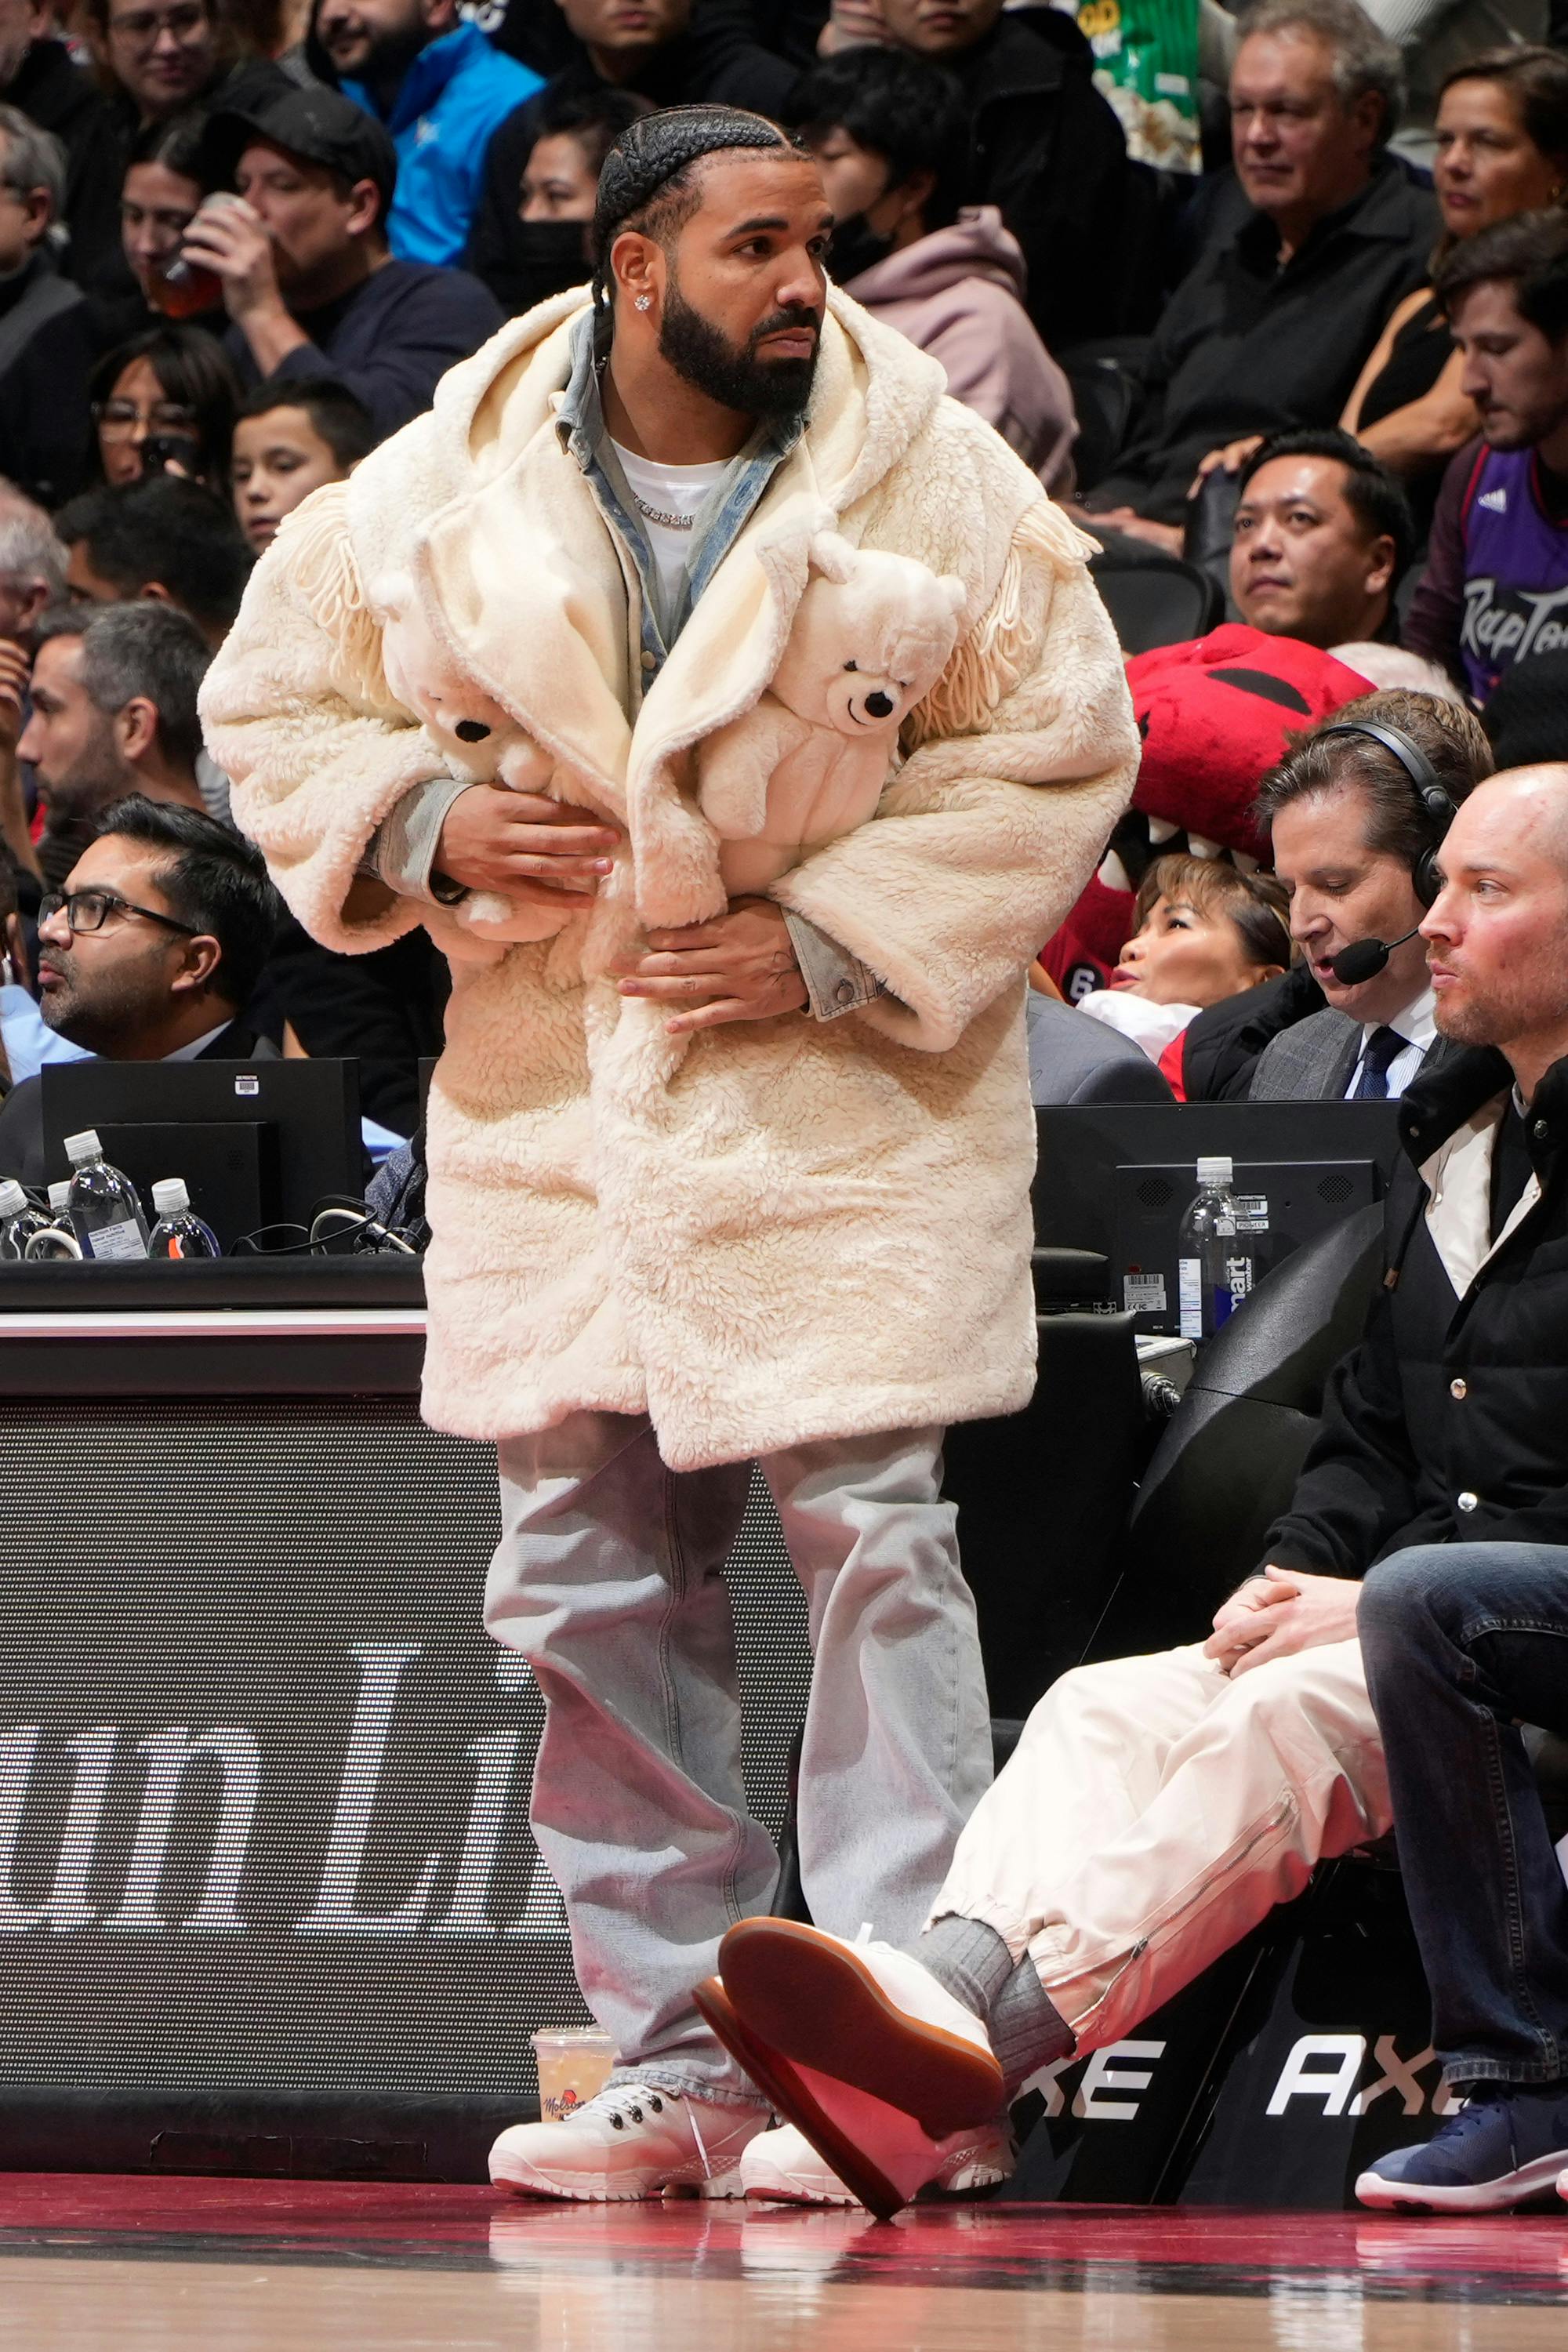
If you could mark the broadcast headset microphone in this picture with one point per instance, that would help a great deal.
(1364, 958)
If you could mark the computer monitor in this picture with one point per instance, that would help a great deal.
(1118, 1178)
(257, 1142)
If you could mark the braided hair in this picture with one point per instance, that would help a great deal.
(648, 181)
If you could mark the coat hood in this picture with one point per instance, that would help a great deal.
(976, 246)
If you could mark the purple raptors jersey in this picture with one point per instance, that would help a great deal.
(1516, 570)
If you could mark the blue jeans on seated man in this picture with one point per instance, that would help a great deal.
(1463, 1643)
(609, 1578)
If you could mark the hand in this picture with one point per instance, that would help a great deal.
(851, 24)
(1166, 535)
(14, 945)
(529, 847)
(739, 967)
(228, 238)
(1293, 1611)
(1229, 460)
(14, 671)
(1234, 1619)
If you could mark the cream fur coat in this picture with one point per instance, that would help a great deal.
(772, 1231)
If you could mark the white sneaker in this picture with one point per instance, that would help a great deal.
(781, 2167)
(629, 2141)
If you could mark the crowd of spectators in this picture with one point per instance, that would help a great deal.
(1297, 363)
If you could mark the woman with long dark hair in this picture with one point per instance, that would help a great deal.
(164, 403)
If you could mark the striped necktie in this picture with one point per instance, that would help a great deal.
(1383, 1048)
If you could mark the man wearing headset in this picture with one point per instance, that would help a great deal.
(1354, 818)
(1157, 1807)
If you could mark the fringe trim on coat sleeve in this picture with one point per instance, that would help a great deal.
(324, 575)
(1000, 650)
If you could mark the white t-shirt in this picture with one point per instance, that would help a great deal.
(672, 489)
(1152, 1026)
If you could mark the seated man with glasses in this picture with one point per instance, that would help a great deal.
(150, 953)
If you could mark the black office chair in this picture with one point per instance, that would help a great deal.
(1043, 1496)
(1104, 396)
(1227, 1461)
(1211, 527)
(1155, 599)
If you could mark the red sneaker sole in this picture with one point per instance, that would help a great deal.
(790, 2097)
(811, 2000)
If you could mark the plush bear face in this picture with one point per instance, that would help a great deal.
(421, 677)
(868, 643)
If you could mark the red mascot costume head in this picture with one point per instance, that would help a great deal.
(1216, 714)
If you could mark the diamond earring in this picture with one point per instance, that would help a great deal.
(643, 302)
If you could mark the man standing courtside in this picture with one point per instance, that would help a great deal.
(728, 1149)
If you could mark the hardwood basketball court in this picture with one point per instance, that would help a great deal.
(180, 2266)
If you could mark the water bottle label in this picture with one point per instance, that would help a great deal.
(1190, 1297)
(124, 1239)
(1238, 1278)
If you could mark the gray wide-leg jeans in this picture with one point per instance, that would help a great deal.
(608, 1578)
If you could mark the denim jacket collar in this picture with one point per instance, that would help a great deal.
(580, 423)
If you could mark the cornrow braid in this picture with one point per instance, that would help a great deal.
(648, 181)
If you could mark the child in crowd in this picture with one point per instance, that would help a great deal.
(1206, 930)
(289, 438)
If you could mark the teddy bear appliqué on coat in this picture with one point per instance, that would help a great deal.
(488, 744)
(872, 633)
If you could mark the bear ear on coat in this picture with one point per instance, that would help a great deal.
(831, 556)
(957, 594)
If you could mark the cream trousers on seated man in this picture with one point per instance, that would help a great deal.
(1155, 1810)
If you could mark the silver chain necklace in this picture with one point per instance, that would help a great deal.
(657, 514)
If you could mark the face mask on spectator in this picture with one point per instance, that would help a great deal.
(550, 258)
(856, 246)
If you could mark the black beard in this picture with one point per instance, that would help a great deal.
(737, 380)
(387, 61)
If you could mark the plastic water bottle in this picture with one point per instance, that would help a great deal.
(54, 1238)
(1215, 1261)
(105, 1214)
(19, 1221)
(179, 1232)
